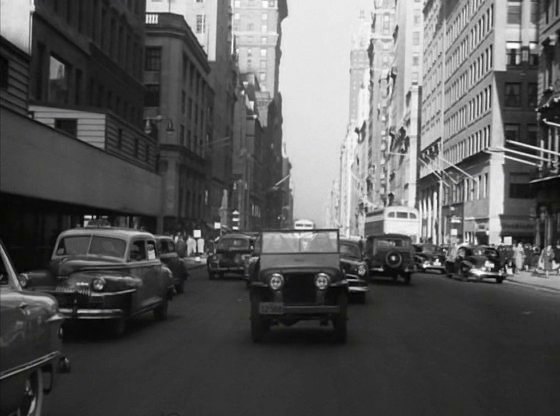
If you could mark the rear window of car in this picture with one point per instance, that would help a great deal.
(350, 250)
(391, 242)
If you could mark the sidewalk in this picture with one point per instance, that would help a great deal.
(536, 280)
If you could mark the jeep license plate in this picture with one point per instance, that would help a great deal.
(271, 308)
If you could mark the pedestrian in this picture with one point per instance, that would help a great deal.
(535, 257)
(181, 245)
(528, 249)
(546, 259)
(518, 257)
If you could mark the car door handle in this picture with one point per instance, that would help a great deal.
(23, 305)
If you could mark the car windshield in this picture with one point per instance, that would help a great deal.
(233, 244)
(91, 245)
(350, 250)
(300, 242)
(485, 251)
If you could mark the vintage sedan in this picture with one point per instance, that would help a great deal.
(175, 261)
(296, 276)
(478, 263)
(429, 257)
(390, 255)
(30, 343)
(354, 267)
(230, 255)
(104, 273)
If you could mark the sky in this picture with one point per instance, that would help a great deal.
(314, 83)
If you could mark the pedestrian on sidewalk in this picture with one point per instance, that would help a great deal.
(518, 256)
(547, 256)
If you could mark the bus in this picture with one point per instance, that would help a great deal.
(304, 224)
(394, 219)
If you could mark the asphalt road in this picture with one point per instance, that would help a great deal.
(438, 347)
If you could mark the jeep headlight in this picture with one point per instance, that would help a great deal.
(361, 270)
(322, 281)
(275, 281)
(98, 284)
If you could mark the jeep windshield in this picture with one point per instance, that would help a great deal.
(315, 241)
(227, 244)
(88, 245)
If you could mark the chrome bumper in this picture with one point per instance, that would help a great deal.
(82, 313)
(303, 310)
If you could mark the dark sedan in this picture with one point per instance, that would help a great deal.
(478, 263)
(429, 257)
(354, 267)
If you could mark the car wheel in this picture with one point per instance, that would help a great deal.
(33, 396)
(340, 321)
(499, 279)
(393, 259)
(160, 313)
(259, 325)
(117, 327)
(464, 273)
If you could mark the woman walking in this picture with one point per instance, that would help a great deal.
(518, 257)
(547, 256)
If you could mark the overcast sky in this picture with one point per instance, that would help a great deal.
(314, 82)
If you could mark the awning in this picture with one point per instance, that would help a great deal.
(548, 178)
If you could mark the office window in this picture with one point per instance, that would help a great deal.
(532, 94)
(263, 52)
(59, 74)
(416, 38)
(152, 61)
(533, 54)
(514, 12)
(69, 125)
(512, 94)
(519, 186)
(151, 95)
(200, 23)
(119, 139)
(417, 18)
(511, 131)
(262, 76)
(513, 53)
(415, 59)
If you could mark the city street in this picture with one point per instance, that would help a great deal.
(437, 347)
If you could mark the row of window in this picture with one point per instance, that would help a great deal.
(471, 42)
(464, 17)
(469, 112)
(252, 3)
(470, 146)
(469, 189)
(551, 9)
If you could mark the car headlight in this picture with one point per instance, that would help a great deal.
(477, 272)
(275, 281)
(98, 284)
(361, 270)
(322, 281)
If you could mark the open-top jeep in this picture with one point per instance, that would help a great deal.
(294, 276)
(390, 255)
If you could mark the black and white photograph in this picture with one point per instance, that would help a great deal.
(279, 207)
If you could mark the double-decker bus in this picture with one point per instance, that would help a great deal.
(394, 219)
(304, 224)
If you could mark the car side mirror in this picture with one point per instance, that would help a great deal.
(34, 278)
(23, 279)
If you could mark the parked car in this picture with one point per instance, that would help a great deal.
(296, 276)
(175, 261)
(479, 262)
(230, 255)
(104, 273)
(429, 257)
(390, 255)
(30, 343)
(354, 268)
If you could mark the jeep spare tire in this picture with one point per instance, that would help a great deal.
(393, 259)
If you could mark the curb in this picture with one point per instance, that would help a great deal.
(531, 285)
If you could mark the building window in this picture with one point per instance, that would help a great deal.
(513, 52)
(532, 94)
(58, 80)
(512, 94)
(182, 135)
(119, 139)
(519, 186)
(151, 95)
(153, 59)
(262, 76)
(263, 52)
(416, 38)
(263, 40)
(69, 125)
(511, 131)
(200, 23)
(4, 71)
(514, 12)
(415, 59)
(136, 147)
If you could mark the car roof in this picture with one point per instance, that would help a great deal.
(124, 233)
(390, 235)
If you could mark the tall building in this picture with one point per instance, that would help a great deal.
(210, 23)
(359, 63)
(178, 111)
(404, 114)
(431, 176)
(380, 56)
(547, 181)
(490, 84)
(72, 139)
